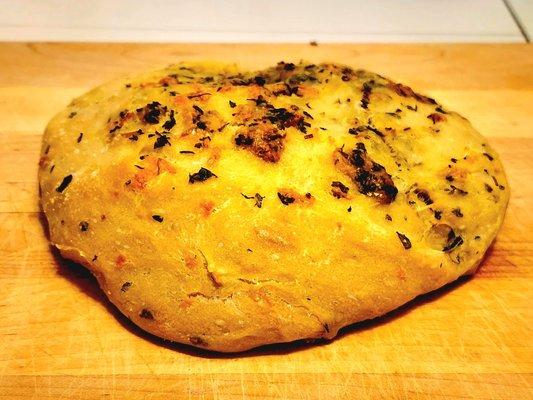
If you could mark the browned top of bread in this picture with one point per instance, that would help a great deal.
(228, 209)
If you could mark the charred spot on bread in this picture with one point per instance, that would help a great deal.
(370, 178)
(436, 117)
(146, 314)
(263, 140)
(198, 341)
(84, 226)
(406, 91)
(366, 90)
(339, 190)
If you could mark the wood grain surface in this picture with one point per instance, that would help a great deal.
(61, 339)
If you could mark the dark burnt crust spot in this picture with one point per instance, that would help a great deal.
(284, 118)
(287, 66)
(370, 178)
(406, 91)
(84, 226)
(146, 314)
(243, 139)
(436, 117)
(265, 141)
(259, 80)
(339, 190)
(263, 127)
(207, 120)
(198, 341)
(365, 99)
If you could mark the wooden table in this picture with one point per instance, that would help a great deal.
(60, 338)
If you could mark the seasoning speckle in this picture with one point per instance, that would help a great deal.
(157, 218)
(457, 212)
(258, 199)
(453, 242)
(63, 185)
(488, 156)
(171, 121)
(286, 200)
(202, 175)
(161, 141)
(405, 240)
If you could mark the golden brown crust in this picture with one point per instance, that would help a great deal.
(229, 209)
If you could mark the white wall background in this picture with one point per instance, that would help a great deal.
(264, 20)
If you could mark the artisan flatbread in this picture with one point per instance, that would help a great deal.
(228, 209)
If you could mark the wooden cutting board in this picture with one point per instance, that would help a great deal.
(61, 339)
